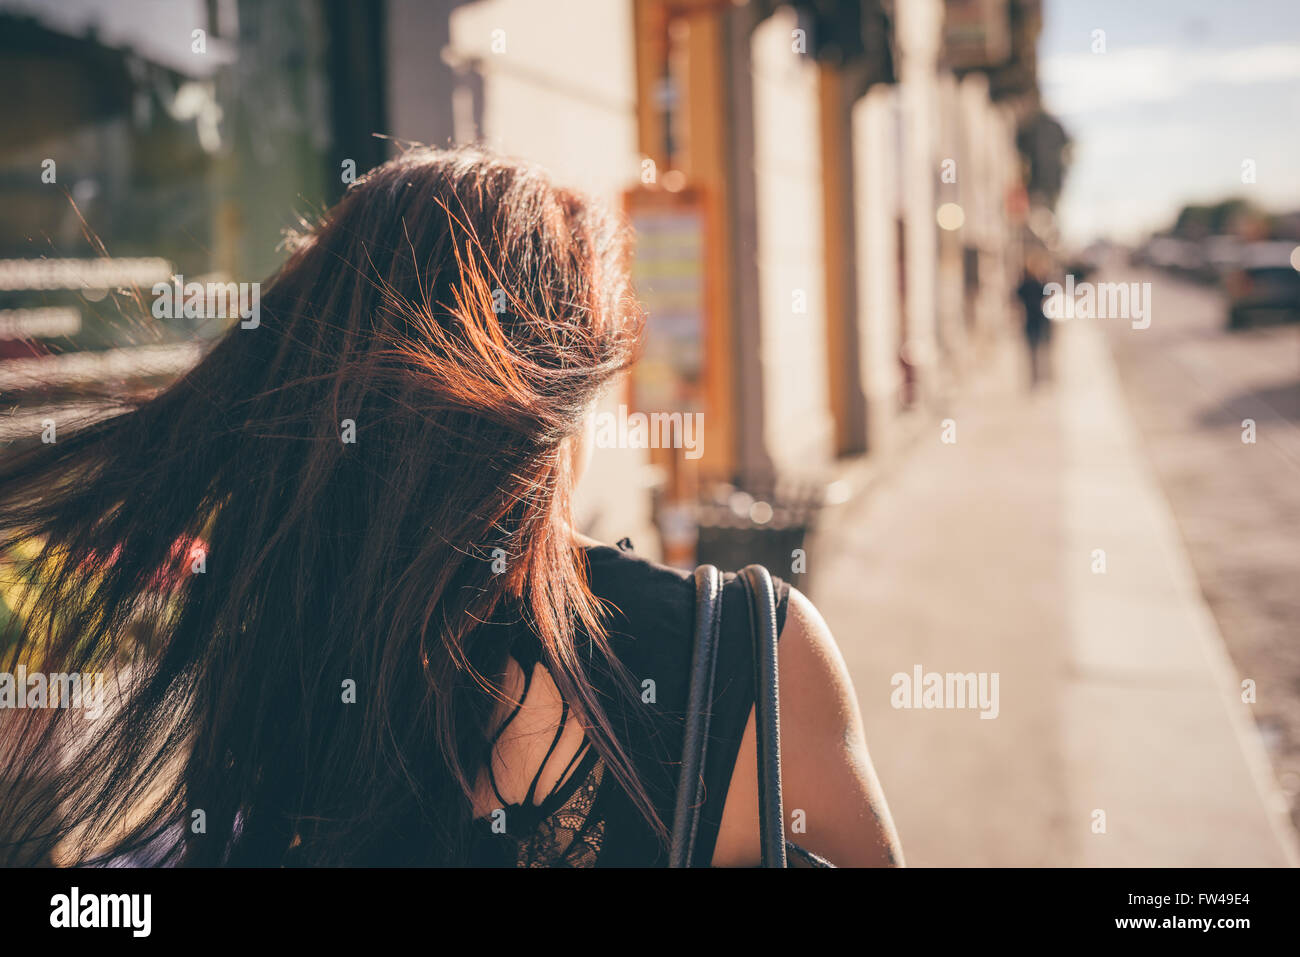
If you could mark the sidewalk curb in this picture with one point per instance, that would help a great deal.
(1093, 403)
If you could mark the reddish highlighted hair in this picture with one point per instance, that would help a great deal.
(464, 314)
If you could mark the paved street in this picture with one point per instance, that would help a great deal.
(1190, 385)
(1120, 737)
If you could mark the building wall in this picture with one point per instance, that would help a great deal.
(555, 86)
(919, 28)
(791, 262)
(914, 300)
(951, 147)
(875, 152)
(989, 138)
(839, 89)
(420, 83)
(559, 88)
(1005, 250)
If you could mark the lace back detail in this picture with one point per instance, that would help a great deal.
(559, 830)
(568, 837)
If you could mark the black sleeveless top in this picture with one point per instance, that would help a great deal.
(588, 820)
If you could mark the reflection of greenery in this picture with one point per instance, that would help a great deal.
(14, 569)
(18, 582)
(202, 168)
(7, 631)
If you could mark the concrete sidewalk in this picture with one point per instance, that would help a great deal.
(1120, 736)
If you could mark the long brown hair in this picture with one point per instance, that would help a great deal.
(463, 313)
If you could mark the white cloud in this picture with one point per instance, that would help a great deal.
(1075, 83)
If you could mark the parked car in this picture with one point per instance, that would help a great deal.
(1266, 285)
(1222, 257)
(1170, 253)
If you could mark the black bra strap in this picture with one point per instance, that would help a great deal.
(531, 796)
(564, 719)
(496, 735)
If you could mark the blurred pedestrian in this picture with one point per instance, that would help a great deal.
(1038, 328)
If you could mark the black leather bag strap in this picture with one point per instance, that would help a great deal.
(704, 658)
(761, 595)
(767, 716)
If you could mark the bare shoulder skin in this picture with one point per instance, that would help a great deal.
(826, 770)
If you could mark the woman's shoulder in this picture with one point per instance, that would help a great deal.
(651, 630)
(640, 596)
(622, 566)
(641, 591)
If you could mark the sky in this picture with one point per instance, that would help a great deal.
(158, 29)
(1185, 91)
